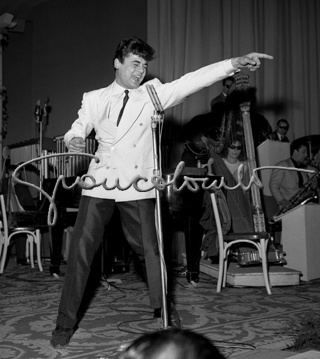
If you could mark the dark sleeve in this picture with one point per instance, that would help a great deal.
(188, 159)
(24, 197)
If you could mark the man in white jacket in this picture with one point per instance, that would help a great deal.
(121, 115)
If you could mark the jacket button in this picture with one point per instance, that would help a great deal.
(135, 166)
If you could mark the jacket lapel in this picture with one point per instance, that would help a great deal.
(134, 107)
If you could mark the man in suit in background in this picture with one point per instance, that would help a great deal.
(280, 133)
(285, 184)
(228, 87)
(121, 115)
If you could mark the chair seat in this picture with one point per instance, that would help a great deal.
(253, 236)
(27, 219)
(19, 229)
(21, 222)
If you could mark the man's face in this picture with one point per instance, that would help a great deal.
(229, 86)
(282, 128)
(301, 154)
(131, 72)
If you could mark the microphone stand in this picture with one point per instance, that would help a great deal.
(38, 114)
(157, 119)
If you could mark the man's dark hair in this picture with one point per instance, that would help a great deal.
(283, 120)
(182, 344)
(135, 46)
(230, 78)
(296, 145)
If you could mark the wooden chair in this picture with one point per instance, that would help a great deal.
(226, 241)
(7, 232)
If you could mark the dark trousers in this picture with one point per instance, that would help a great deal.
(56, 233)
(138, 222)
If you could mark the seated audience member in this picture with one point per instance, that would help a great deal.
(280, 133)
(238, 201)
(285, 184)
(172, 344)
(226, 165)
(232, 159)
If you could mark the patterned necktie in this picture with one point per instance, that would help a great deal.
(125, 100)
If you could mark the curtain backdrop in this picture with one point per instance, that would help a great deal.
(188, 34)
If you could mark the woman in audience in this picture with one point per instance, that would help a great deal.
(232, 160)
(238, 201)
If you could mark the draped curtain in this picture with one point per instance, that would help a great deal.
(189, 34)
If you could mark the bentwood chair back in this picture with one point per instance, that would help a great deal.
(226, 241)
(32, 232)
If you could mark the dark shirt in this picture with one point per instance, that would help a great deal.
(274, 137)
(24, 197)
(23, 194)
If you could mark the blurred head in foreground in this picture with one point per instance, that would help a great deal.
(172, 344)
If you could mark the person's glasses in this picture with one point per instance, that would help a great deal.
(283, 127)
(234, 147)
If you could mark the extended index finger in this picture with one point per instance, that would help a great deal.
(262, 56)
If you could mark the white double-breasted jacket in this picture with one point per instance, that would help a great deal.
(131, 153)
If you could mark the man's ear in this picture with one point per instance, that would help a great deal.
(117, 64)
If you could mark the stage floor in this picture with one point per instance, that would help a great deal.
(252, 276)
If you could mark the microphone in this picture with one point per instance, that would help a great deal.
(37, 111)
(45, 106)
(155, 99)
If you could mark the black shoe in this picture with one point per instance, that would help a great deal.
(157, 313)
(61, 337)
(58, 275)
(174, 319)
(55, 271)
(22, 262)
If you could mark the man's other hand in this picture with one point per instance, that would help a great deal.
(77, 144)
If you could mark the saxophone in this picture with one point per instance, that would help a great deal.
(306, 194)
